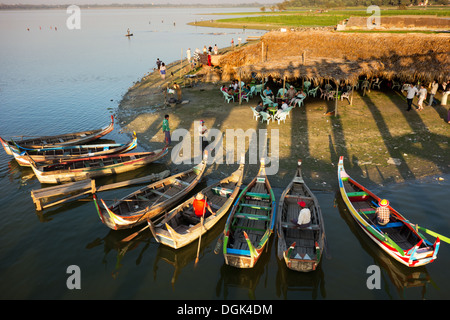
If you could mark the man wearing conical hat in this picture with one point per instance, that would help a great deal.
(200, 205)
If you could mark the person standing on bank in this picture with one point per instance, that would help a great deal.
(166, 130)
(203, 131)
(434, 89)
(422, 97)
(412, 91)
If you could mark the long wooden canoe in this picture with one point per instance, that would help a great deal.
(250, 223)
(181, 226)
(94, 167)
(301, 248)
(398, 238)
(150, 201)
(56, 154)
(59, 140)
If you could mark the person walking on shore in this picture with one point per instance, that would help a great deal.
(203, 131)
(411, 92)
(422, 95)
(434, 89)
(162, 71)
(188, 54)
(158, 63)
(166, 130)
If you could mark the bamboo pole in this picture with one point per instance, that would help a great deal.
(336, 101)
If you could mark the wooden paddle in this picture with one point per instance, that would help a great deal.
(201, 227)
(432, 233)
(130, 237)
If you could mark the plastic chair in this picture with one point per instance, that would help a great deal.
(395, 84)
(256, 114)
(227, 97)
(377, 84)
(306, 85)
(313, 92)
(265, 117)
(288, 110)
(365, 85)
(281, 116)
(252, 92)
(258, 88)
(266, 100)
(281, 92)
(345, 95)
(244, 97)
(299, 101)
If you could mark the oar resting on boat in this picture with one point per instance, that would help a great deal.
(397, 237)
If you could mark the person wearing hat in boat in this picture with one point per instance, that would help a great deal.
(383, 213)
(304, 216)
(200, 205)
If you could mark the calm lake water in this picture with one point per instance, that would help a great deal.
(55, 81)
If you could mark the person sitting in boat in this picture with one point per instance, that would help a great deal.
(200, 205)
(383, 213)
(304, 216)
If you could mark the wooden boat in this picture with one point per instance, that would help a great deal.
(181, 227)
(150, 201)
(93, 167)
(398, 238)
(59, 140)
(250, 223)
(301, 248)
(55, 154)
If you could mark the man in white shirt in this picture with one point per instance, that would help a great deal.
(304, 216)
(203, 131)
(412, 91)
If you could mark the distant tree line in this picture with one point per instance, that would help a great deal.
(353, 3)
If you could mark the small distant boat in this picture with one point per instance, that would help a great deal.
(250, 223)
(181, 227)
(58, 154)
(93, 167)
(398, 238)
(59, 140)
(301, 248)
(150, 201)
(129, 35)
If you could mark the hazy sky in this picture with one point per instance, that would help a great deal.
(136, 1)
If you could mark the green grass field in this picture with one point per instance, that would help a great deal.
(299, 18)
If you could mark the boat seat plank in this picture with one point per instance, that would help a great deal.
(255, 206)
(251, 216)
(258, 195)
(391, 225)
(161, 194)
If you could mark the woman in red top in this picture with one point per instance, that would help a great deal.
(200, 205)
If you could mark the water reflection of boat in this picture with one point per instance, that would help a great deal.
(112, 242)
(401, 276)
(180, 258)
(290, 283)
(247, 279)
